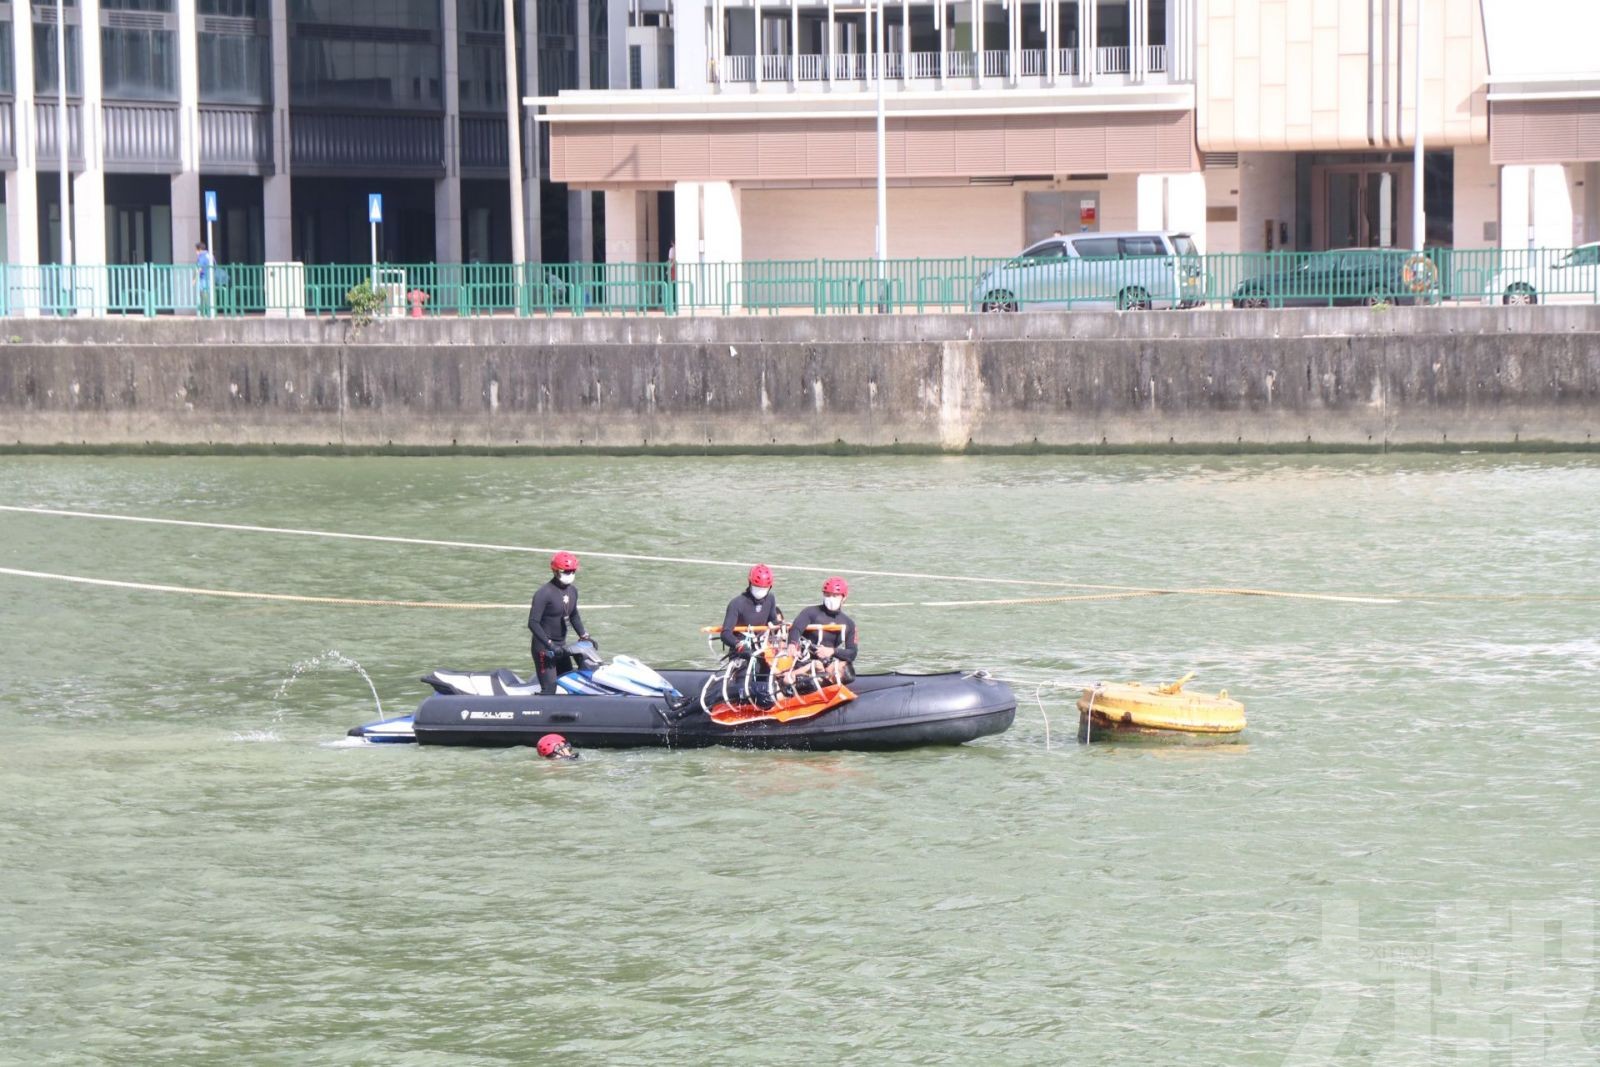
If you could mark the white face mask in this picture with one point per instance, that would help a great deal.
(566, 579)
(832, 603)
(760, 591)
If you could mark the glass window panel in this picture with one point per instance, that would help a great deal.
(1096, 247)
(406, 14)
(139, 64)
(135, 5)
(7, 75)
(482, 16)
(235, 69)
(483, 76)
(44, 60)
(244, 9)
(371, 73)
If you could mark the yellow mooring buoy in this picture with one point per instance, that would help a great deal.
(1122, 708)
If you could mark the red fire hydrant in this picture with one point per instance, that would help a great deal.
(417, 297)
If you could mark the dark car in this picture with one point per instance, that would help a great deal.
(1347, 276)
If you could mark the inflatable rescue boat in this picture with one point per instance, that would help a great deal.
(624, 704)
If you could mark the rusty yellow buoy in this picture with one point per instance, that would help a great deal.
(1131, 707)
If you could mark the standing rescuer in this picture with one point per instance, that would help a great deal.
(555, 604)
(749, 612)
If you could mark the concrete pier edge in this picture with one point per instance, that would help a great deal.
(1473, 378)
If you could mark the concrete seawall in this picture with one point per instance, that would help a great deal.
(1356, 377)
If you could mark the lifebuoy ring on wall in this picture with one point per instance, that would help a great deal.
(1420, 274)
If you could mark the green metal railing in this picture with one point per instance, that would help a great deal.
(816, 286)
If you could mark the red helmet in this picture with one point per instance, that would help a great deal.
(835, 587)
(761, 575)
(549, 743)
(563, 561)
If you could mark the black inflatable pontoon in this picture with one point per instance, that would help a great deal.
(890, 711)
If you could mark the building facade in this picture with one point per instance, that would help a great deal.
(292, 112)
(1255, 125)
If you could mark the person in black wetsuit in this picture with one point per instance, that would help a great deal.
(833, 649)
(555, 604)
(748, 612)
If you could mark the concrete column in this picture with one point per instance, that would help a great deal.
(617, 43)
(1475, 216)
(22, 183)
(188, 218)
(89, 187)
(277, 210)
(625, 226)
(1088, 59)
(1175, 202)
(447, 190)
(580, 204)
(707, 222)
(1535, 207)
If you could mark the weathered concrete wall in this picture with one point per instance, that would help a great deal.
(1357, 377)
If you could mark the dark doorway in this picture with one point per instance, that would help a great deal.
(238, 234)
(330, 220)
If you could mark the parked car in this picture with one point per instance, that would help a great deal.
(1343, 276)
(1128, 271)
(1537, 276)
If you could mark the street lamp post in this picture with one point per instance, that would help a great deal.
(1418, 219)
(61, 131)
(883, 179)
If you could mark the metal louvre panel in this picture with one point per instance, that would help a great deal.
(846, 148)
(483, 142)
(1544, 131)
(1030, 145)
(363, 141)
(685, 156)
(141, 135)
(931, 146)
(44, 129)
(236, 137)
(230, 24)
(135, 20)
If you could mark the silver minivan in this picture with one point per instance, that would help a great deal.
(1127, 271)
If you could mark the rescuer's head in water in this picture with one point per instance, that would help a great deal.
(554, 746)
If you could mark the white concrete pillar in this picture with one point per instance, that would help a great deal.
(22, 183)
(188, 218)
(447, 190)
(1535, 207)
(89, 187)
(1173, 202)
(625, 226)
(277, 209)
(1475, 212)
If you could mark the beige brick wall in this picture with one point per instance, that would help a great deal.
(1298, 75)
(923, 221)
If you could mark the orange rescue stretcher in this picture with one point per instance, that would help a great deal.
(778, 660)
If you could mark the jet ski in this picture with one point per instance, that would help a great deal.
(625, 704)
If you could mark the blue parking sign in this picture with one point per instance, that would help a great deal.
(374, 207)
(211, 205)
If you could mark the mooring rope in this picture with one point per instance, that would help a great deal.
(235, 594)
(1101, 591)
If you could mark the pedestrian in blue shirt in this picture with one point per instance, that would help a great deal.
(204, 261)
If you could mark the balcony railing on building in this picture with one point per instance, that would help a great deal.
(991, 64)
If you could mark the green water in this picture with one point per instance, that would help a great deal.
(1396, 864)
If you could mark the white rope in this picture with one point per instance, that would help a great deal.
(490, 547)
(289, 597)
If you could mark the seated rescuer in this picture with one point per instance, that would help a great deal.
(556, 602)
(756, 607)
(834, 650)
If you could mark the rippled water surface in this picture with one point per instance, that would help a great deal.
(1395, 865)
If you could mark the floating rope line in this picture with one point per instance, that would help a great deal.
(1105, 591)
(343, 601)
